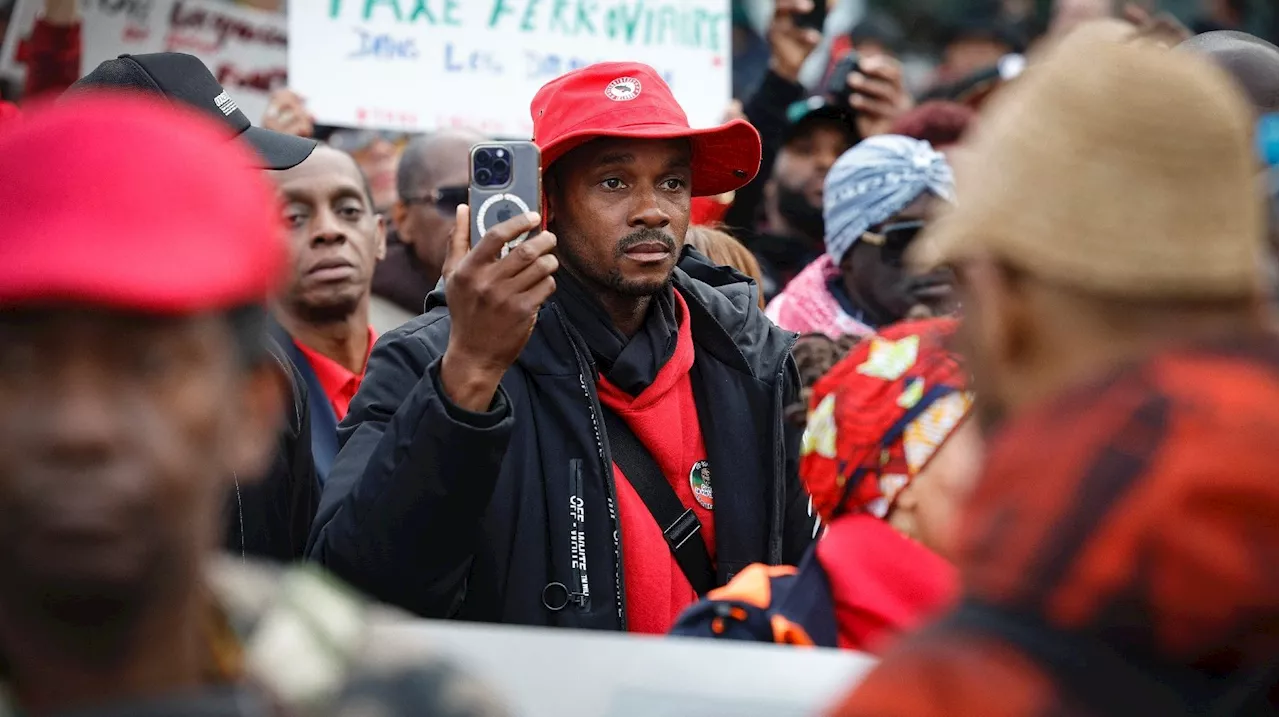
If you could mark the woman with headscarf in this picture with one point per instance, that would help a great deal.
(877, 198)
(888, 457)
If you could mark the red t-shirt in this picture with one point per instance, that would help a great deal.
(665, 420)
(339, 384)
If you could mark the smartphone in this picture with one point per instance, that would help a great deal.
(506, 181)
(838, 90)
(815, 19)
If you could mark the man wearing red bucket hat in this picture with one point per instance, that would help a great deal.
(588, 431)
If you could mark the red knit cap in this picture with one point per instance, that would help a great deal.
(135, 204)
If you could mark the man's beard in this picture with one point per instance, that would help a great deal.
(612, 280)
(90, 618)
(795, 208)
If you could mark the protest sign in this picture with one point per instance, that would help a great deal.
(244, 48)
(426, 64)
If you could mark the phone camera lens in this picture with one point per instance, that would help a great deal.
(501, 166)
(483, 176)
(484, 158)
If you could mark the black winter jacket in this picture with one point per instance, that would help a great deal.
(454, 514)
(271, 516)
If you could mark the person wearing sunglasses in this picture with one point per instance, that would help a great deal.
(431, 182)
(879, 195)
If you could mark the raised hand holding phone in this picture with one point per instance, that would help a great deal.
(493, 301)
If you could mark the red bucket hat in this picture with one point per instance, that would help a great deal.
(133, 203)
(630, 99)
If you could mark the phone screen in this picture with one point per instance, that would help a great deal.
(815, 18)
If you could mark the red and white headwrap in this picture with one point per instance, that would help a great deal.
(879, 416)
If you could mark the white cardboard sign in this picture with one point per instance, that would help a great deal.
(421, 65)
(243, 47)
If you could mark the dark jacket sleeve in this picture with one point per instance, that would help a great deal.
(801, 523)
(767, 112)
(402, 508)
(271, 517)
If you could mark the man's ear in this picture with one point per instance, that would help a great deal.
(996, 310)
(549, 201)
(380, 237)
(264, 390)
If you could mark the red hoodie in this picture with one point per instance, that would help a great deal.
(882, 583)
(665, 420)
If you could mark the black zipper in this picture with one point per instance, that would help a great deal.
(780, 458)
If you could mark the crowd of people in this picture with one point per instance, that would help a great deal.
(985, 385)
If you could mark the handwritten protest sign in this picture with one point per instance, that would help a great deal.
(426, 64)
(245, 48)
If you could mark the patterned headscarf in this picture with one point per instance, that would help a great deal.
(875, 179)
(879, 416)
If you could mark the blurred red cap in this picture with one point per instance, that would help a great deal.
(133, 203)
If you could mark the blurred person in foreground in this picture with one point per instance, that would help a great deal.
(598, 366)
(270, 517)
(322, 316)
(136, 384)
(431, 181)
(879, 196)
(779, 215)
(1119, 554)
(888, 458)
(723, 250)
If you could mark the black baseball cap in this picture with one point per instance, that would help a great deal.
(804, 114)
(184, 78)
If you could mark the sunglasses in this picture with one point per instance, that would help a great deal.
(893, 240)
(445, 199)
(354, 140)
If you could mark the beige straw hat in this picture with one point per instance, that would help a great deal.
(1115, 168)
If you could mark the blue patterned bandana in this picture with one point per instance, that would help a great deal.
(876, 179)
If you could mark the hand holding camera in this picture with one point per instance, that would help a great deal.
(873, 87)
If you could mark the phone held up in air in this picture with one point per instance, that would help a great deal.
(815, 19)
(506, 181)
(838, 89)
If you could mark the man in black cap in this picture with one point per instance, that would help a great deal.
(270, 517)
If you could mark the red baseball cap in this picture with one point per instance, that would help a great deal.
(630, 99)
(133, 203)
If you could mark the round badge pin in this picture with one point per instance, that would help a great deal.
(700, 482)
